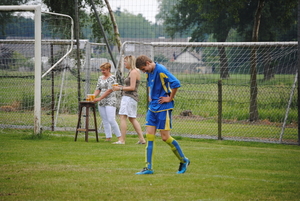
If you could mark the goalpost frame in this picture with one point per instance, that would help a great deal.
(37, 57)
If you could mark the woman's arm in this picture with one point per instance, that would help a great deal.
(106, 93)
(97, 92)
(134, 75)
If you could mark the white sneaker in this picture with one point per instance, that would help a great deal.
(119, 142)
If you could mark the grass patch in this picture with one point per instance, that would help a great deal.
(54, 167)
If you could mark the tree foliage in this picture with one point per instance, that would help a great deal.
(276, 21)
(255, 20)
(133, 26)
(87, 17)
(218, 17)
(5, 17)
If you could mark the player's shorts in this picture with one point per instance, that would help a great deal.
(161, 120)
(128, 107)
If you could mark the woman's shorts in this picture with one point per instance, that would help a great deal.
(128, 107)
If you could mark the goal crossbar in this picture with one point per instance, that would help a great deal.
(213, 44)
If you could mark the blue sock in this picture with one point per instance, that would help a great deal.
(149, 150)
(176, 149)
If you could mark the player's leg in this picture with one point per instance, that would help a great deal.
(149, 151)
(175, 147)
(150, 145)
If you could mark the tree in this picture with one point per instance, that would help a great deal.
(253, 70)
(6, 17)
(275, 21)
(269, 22)
(130, 23)
(204, 17)
(115, 25)
(67, 7)
(219, 17)
(200, 18)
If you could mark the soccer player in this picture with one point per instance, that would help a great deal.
(162, 89)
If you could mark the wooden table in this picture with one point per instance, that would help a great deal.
(87, 105)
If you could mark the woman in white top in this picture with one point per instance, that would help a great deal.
(107, 102)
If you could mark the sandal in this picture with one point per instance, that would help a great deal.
(119, 142)
(141, 142)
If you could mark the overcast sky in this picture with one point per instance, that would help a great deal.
(147, 8)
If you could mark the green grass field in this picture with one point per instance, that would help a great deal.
(54, 167)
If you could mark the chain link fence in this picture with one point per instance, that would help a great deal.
(197, 105)
(230, 91)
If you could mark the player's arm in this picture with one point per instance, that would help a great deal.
(174, 85)
(173, 93)
(168, 98)
(149, 95)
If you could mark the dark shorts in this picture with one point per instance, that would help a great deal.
(161, 120)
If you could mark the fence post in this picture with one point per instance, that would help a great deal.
(220, 110)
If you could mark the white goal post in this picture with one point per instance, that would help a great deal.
(38, 55)
(38, 58)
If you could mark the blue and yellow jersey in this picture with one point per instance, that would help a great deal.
(160, 82)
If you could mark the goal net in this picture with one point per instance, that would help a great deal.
(57, 88)
(268, 69)
(30, 44)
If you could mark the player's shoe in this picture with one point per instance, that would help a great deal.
(145, 171)
(183, 166)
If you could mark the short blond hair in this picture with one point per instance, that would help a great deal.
(105, 66)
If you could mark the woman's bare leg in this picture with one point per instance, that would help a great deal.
(138, 129)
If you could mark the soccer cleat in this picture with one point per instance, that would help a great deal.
(145, 171)
(183, 166)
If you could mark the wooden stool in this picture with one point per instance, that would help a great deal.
(87, 105)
